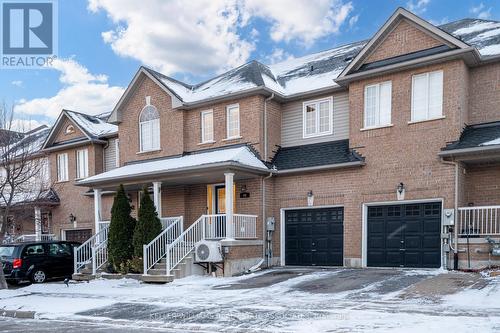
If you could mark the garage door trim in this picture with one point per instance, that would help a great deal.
(364, 243)
(282, 226)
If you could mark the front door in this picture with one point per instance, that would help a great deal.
(220, 199)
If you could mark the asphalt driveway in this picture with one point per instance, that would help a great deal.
(278, 300)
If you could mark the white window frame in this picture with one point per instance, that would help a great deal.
(378, 109)
(149, 125)
(317, 103)
(427, 75)
(203, 129)
(62, 167)
(228, 109)
(82, 171)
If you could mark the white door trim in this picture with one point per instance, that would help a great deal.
(364, 228)
(282, 227)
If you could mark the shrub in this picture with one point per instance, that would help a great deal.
(148, 224)
(121, 230)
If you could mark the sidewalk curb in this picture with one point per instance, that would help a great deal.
(18, 314)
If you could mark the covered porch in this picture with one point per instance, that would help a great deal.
(214, 195)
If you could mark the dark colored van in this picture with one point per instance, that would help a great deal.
(37, 261)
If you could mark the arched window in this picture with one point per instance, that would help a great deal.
(149, 128)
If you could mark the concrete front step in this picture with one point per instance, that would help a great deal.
(86, 270)
(82, 277)
(157, 278)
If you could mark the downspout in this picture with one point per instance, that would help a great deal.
(265, 250)
(455, 231)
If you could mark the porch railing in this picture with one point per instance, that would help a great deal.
(99, 256)
(32, 238)
(479, 221)
(167, 221)
(208, 227)
(157, 248)
(84, 254)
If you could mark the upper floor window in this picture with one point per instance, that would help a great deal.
(69, 129)
(233, 121)
(427, 96)
(317, 117)
(62, 167)
(82, 163)
(378, 104)
(149, 128)
(207, 126)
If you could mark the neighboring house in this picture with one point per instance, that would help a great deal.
(33, 199)
(377, 153)
(78, 146)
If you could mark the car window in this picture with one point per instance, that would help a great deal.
(66, 248)
(57, 249)
(6, 251)
(33, 250)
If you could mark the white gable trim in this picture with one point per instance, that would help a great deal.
(114, 116)
(389, 25)
(56, 126)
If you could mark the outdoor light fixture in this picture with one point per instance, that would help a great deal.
(72, 218)
(400, 193)
(310, 198)
(243, 188)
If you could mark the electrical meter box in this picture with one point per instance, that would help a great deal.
(270, 224)
(448, 217)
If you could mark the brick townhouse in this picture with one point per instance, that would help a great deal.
(378, 153)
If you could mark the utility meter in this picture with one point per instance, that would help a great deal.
(449, 217)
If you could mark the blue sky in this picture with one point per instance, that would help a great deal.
(103, 42)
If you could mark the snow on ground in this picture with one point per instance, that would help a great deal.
(372, 300)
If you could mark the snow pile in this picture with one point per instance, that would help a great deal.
(484, 35)
(240, 155)
(94, 126)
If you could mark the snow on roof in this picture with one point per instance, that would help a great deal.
(95, 126)
(241, 155)
(32, 142)
(318, 70)
(482, 34)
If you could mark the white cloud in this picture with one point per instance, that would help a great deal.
(278, 55)
(25, 125)
(353, 20)
(417, 6)
(17, 83)
(480, 11)
(201, 37)
(81, 91)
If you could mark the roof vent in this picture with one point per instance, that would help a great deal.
(311, 68)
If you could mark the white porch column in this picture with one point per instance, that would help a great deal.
(157, 197)
(38, 224)
(229, 176)
(97, 208)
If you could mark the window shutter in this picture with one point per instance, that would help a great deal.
(435, 94)
(385, 103)
(419, 102)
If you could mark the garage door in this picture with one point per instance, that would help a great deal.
(404, 235)
(314, 237)
(80, 235)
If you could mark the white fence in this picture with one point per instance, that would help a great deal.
(479, 221)
(84, 254)
(32, 238)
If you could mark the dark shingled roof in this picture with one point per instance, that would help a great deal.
(314, 155)
(475, 136)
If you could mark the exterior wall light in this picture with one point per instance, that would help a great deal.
(400, 192)
(310, 198)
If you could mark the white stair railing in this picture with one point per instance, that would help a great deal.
(157, 248)
(84, 253)
(184, 244)
(245, 226)
(99, 256)
(479, 221)
(168, 221)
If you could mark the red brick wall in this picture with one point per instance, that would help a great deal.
(61, 135)
(482, 185)
(484, 99)
(404, 38)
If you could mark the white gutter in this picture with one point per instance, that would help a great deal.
(264, 217)
(265, 125)
(322, 167)
(455, 231)
(480, 149)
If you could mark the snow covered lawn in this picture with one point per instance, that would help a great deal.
(285, 300)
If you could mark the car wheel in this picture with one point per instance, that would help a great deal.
(38, 276)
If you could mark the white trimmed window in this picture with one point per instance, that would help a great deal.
(62, 167)
(233, 121)
(427, 96)
(317, 117)
(149, 129)
(378, 104)
(207, 126)
(82, 163)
